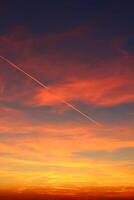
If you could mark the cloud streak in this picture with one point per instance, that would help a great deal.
(44, 86)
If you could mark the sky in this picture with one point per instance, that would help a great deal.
(83, 51)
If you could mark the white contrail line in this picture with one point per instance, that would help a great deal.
(46, 87)
(21, 70)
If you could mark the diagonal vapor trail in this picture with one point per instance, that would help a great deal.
(46, 87)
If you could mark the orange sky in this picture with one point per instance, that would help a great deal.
(44, 144)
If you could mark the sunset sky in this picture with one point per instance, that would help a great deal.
(84, 52)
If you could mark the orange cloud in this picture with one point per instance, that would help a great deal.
(106, 91)
(34, 153)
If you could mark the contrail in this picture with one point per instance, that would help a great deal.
(46, 87)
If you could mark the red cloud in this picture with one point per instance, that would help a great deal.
(107, 91)
(107, 85)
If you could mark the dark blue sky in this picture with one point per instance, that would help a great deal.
(56, 16)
